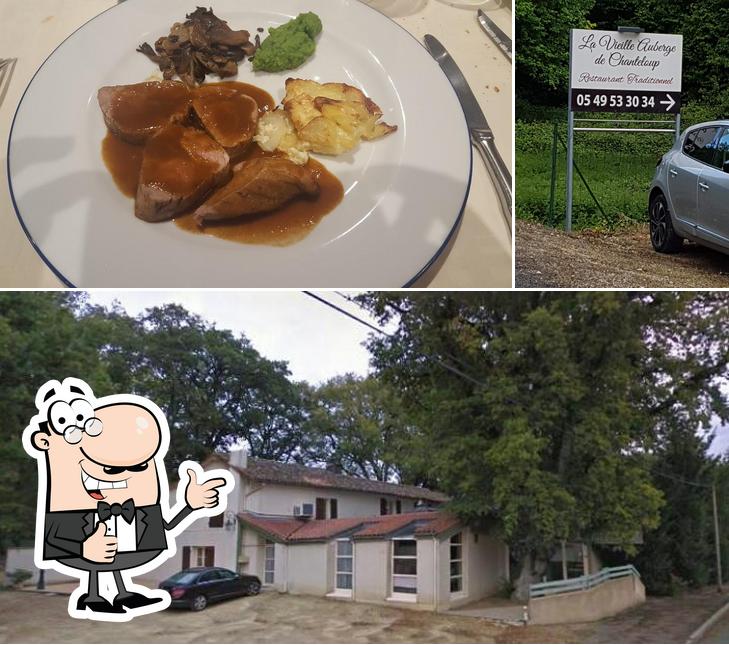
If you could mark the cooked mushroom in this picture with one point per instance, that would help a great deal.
(203, 44)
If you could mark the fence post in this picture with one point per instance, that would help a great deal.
(570, 167)
(553, 183)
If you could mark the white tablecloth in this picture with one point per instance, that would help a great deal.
(480, 256)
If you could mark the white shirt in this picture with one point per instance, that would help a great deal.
(125, 532)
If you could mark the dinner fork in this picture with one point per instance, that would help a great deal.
(7, 65)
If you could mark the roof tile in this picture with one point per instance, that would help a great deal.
(278, 528)
(265, 470)
(291, 529)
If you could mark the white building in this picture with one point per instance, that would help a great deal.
(313, 531)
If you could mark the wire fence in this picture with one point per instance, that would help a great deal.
(614, 171)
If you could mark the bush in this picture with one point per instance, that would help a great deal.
(18, 577)
(506, 588)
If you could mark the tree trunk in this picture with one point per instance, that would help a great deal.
(531, 569)
(524, 579)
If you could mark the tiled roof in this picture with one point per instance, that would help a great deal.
(265, 470)
(278, 528)
(441, 523)
(325, 529)
(290, 529)
(430, 523)
(386, 524)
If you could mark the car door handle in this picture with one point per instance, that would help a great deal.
(703, 186)
(673, 172)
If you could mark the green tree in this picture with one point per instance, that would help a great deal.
(214, 388)
(542, 34)
(39, 340)
(547, 436)
(358, 426)
(680, 550)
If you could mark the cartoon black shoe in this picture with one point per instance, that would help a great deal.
(134, 601)
(99, 606)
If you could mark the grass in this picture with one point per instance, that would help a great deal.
(619, 180)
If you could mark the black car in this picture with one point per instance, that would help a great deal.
(195, 588)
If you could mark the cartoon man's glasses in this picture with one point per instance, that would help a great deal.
(73, 419)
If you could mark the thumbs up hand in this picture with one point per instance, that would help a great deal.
(99, 547)
(202, 494)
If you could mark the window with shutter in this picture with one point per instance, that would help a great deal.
(200, 556)
(321, 508)
(333, 510)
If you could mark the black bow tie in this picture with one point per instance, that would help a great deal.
(126, 510)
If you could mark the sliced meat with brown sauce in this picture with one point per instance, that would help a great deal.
(136, 112)
(258, 186)
(180, 167)
(228, 115)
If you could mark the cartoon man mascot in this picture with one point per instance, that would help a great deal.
(103, 498)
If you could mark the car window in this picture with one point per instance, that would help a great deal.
(688, 143)
(722, 149)
(209, 576)
(699, 144)
(183, 577)
(225, 574)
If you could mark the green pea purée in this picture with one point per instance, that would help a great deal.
(289, 45)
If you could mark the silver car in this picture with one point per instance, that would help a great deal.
(689, 197)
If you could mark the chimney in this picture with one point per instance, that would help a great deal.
(238, 458)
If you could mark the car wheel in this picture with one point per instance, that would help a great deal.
(253, 588)
(663, 237)
(199, 602)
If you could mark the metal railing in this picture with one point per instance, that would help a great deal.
(582, 583)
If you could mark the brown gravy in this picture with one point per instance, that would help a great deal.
(290, 223)
(124, 161)
(287, 225)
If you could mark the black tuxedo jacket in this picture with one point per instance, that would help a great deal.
(65, 531)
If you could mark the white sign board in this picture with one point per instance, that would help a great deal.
(613, 71)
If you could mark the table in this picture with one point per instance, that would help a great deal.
(480, 255)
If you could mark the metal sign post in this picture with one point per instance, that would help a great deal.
(622, 71)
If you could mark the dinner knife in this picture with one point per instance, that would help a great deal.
(502, 41)
(482, 137)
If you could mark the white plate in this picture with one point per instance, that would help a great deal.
(404, 193)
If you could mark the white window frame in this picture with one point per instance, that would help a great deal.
(269, 544)
(197, 556)
(337, 572)
(460, 561)
(402, 595)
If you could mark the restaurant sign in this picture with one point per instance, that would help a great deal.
(613, 71)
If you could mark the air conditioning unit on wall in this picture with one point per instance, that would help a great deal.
(304, 510)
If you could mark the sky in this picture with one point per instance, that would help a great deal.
(316, 341)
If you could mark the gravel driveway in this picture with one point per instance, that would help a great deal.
(268, 618)
(547, 257)
(282, 618)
